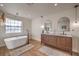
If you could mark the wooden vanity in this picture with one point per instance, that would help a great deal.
(60, 42)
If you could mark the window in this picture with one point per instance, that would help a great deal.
(13, 26)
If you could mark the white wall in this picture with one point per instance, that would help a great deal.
(36, 31)
(36, 23)
(26, 26)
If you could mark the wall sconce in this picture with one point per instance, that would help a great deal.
(55, 4)
(76, 24)
(42, 26)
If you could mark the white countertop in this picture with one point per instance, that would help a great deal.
(59, 34)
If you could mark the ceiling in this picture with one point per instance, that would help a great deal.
(34, 10)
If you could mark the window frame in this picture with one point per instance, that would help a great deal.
(14, 26)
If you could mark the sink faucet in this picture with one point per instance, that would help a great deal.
(63, 33)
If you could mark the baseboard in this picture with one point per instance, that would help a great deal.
(75, 53)
(37, 39)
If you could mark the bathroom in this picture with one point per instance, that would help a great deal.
(34, 24)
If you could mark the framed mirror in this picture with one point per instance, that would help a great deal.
(48, 26)
(64, 24)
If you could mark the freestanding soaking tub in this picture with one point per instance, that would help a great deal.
(14, 42)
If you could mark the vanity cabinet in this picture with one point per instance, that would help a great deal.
(60, 42)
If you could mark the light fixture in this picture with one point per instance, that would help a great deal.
(30, 4)
(1, 5)
(42, 26)
(76, 24)
(41, 16)
(17, 13)
(76, 13)
(55, 4)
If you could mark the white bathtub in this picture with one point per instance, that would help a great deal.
(14, 42)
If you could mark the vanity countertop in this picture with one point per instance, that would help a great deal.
(60, 35)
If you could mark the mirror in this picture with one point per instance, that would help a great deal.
(47, 26)
(64, 24)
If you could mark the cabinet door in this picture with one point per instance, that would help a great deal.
(53, 41)
(69, 44)
(44, 38)
(61, 43)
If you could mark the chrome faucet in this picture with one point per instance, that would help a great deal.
(63, 32)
